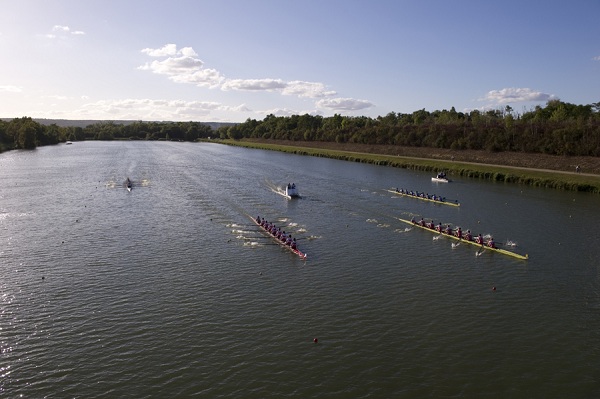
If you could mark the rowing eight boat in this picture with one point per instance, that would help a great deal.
(294, 250)
(424, 198)
(500, 250)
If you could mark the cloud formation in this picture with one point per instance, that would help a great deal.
(63, 31)
(184, 66)
(10, 89)
(148, 109)
(511, 95)
(343, 104)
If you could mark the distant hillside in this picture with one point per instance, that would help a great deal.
(84, 123)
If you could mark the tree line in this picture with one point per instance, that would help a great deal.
(558, 128)
(25, 133)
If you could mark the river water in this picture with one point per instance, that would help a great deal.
(171, 291)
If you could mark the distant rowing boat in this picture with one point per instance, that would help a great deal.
(443, 202)
(483, 247)
(289, 247)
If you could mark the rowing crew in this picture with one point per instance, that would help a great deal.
(277, 232)
(432, 197)
(458, 233)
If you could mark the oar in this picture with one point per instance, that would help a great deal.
(480, 252)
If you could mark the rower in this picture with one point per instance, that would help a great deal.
(459, 233)
(468, 235)
(258, 219)
(439, 227)
(479, 239)
(491, 243)
(422, 222)
(448, 230)
(294, 244)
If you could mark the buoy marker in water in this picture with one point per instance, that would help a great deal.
(315, 340)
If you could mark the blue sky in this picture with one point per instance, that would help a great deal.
(230, 60)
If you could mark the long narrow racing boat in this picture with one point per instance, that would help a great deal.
(292, 248)
(482, 246)
(442, 200)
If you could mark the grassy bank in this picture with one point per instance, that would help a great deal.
(534, 177)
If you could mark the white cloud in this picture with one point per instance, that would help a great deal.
(294, 88)
(181, 66)
(597, 58)
(254, 84)
(509, 95)
(343, 104)
(62, 31)
(148, 109)
(279, 112)
(60, 28)
(166, 50)
(307, 89)
(11, 89)
(184, 66)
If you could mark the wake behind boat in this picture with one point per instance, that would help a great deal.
(424, 197)
(281, 237)
(462, 237)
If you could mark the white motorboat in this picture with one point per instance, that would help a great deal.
(291, 191)
(440, 178)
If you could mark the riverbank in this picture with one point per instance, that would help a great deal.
(529, 169)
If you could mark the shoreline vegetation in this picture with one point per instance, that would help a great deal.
(554, 172)
(556, 146)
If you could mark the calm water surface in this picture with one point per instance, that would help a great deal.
(171, 291)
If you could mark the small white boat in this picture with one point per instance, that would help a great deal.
(69, 142)
(440, 178)
(291, 191)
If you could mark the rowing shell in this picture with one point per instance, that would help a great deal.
(296, 251)
(424, 199)
(500, 250)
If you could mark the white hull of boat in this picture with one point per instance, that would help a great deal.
(439, 180)
(291, 192)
